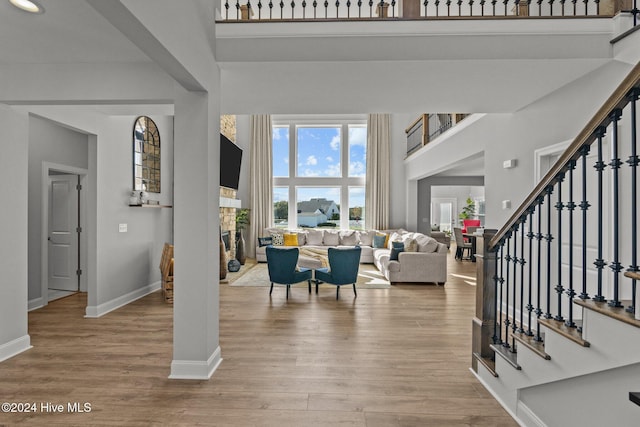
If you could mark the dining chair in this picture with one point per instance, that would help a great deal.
(461, 245)
(283, 270)
(343, 269)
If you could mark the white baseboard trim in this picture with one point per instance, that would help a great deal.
(35, 303)
(93, 311)
(496, 396)
(195, 370)
(528, 416)
(15, 347)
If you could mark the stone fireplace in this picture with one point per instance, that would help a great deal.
(228, 201)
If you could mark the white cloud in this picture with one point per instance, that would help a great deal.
(358, 136)
(335, 142)
(356, 169)
(332, 170)
(329, 159)
(311, 160)
(286, 160)
(310, 172)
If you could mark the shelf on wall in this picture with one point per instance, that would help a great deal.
(150, 206)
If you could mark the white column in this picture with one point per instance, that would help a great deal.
(196, 350)
(14, 168)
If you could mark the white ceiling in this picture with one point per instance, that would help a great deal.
(70, 31)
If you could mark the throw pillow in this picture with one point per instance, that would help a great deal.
(278, 239)
(314, 237)
(331, 238)
(291, 239)
(265, 241)
(394, 237)
(348, 238)
(379, 240)
(366, 237)
(302, 238)
(411, 245)
(426, 243)
(396, 248)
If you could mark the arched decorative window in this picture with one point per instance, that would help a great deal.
(146, 155)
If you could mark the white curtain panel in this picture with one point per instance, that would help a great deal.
(261, 179)
(378, 173)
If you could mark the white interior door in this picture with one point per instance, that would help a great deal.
(63, 235)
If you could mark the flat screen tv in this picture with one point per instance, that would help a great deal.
(230, 161)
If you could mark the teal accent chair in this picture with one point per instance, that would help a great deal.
(343, 269)
(282, 268)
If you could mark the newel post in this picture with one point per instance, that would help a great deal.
(484, 320)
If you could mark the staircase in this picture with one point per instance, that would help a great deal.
(556, 337)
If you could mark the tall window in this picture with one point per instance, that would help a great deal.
(319, 171)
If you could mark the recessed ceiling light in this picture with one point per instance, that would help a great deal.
(27, 6)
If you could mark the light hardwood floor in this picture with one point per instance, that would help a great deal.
(390, 357)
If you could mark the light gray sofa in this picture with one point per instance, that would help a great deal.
(425, 260)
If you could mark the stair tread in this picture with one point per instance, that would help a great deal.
(536, 346)
(618, 313)
(506, 354)
(488, 363)
(571, 333)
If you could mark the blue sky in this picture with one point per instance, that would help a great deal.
(319, 155)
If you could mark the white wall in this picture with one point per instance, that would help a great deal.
(48, 142)
(13, 228)
(129, 261)
(398, 151)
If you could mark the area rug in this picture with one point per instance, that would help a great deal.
(258, 276)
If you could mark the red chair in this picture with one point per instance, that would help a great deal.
(471, 223)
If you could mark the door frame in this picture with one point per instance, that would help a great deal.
(44, 217)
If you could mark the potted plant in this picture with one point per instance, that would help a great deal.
(242, 220)
(467, 211)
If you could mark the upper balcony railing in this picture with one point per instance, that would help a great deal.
(269, 10)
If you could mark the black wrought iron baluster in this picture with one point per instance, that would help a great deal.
(522, 263)
(514, 326)
(559, 288)
(237, 10)
(337, 8)
(359, 8)
(496, 280)
(259, 9)
(633, 162)
(501, 289)
(326, 8)
(348, 8)
(304, 9)
(493, 7)
(293, 8)
(586, 7)
(615, 164)
(281, 9)
(571, 206)
(370, 8)
(539, 7)
(270, 9)
(425, 4)
(539, 237)
(549, 238)
(574, 7)
(550, 7)
(530, 236)
(437, 3)
(599, 262)
(249, 11)
(584, 206)
(470, 7)
(562, 2)
(393, 8)
(507, 258)
(448, 3)
(505, 6)
(597, 7)
(517, 6)
(315, 9)
(482, 2)
(226, 9)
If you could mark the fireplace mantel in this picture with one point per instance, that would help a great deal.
(227, 202)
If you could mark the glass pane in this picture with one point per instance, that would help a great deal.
(356, 208)
(357, 150)
(146, 159)
(318, 207)
(319, 151)
(445, 216)
(280, 151)
(281, 207)
(138, 159)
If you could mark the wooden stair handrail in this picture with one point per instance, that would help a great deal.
(585, 137)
